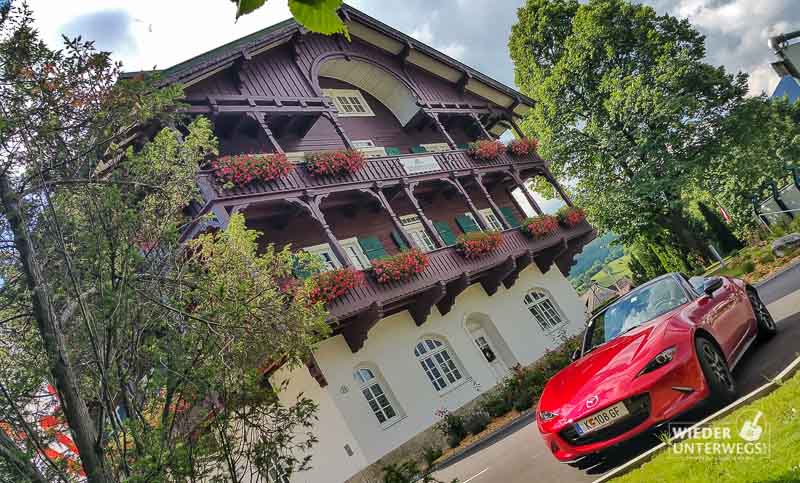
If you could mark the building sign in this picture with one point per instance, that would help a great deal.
(421, 164)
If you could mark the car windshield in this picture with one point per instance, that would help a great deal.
(633, 310)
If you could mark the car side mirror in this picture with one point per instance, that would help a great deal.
(576, 355)
(711, 285)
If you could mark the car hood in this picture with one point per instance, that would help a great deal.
(605, 372)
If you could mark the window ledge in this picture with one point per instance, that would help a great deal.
(450, 389)
(393, 422)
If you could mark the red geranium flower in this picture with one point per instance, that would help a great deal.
(335, 163)
(571, 216)
(243, 169)
(400, 267)
(539, 226)
(328, 286)
(523, 147)
(485, 150)
(478, 243)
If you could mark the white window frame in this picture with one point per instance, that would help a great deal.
(416, 230)
(372, 387)
(471, 216)
(544, 310)
(439, 364)
(325, 252)
(349, 102)
(355, 253)
(492, 220)
(363, 143)
(436, 147)
(296, 157)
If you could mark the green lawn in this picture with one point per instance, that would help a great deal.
(613, 271)
(781, 422)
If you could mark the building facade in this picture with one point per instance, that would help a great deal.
(399, 351)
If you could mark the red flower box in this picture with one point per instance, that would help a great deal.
(479, 243)
(523, 147)
(243, 169)
(485, 150)
(539, 226)
(329, 286)
(335, 163)
(400, 267)
(571, 216)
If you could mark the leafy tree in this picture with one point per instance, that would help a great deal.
(101, 300)
(648, 266)
(319, 16)
(724, 236)
(626, 107)
(638, 273)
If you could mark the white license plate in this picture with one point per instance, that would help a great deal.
(602, 419)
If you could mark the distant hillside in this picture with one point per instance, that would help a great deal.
(593, 258)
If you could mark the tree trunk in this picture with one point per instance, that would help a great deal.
(74, 406)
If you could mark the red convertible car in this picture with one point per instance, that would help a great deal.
(648, 357)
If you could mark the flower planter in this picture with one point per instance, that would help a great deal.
(486, 150)
(477, 244)
(571, 216)
(335, 163)
(329, 286)
(243, 169)
(523, 147)
(400, 267)
(538, 227)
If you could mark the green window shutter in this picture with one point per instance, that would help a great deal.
(392, 151)
(372, 247)
(463, 146)
(445, 232)
(418, 149)
(467, 224)
(399, 241)
(508, 214)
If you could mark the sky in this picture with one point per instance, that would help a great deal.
(147, 33)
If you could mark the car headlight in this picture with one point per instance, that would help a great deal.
(663, 358)
(545, 416)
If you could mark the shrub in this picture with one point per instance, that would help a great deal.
(452, 426)
(523, 147)
(539, 226)
(486, 150)
(430, 454)
(496, 403)
(400, 267)
(243, 169)
(748, 267)
(328, 286)
(477, 422)
(478, 243)
(766, 258)
(570, 216)
(335, 162)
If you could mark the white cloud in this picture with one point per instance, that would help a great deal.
(455, 51)
(423, 33)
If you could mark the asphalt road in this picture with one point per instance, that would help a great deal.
(522, 457)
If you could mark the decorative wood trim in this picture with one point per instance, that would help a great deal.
(491, 282)
(528, 196)
(421, 308)
(377, 193)
(522, 263)
(478, 178)
(552, 180)
(334, 120)
(477, 120)
(472, 208)
(545, 258)
(262, 122)
(438, 123)
(453, 289)
(462, 83)
(409, 190)
(566, 259)
(355, 333)
(316, 372)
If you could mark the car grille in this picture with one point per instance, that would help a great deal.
(639, 409)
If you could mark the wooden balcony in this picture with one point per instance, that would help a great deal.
(448, 274)
(384, 171)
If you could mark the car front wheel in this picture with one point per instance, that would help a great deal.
(766, 324)
(716, 371)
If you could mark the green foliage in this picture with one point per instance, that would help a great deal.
(748, 267)
(649, 264)
(626, 107)
(319, 16)
(496, 403)
(476, 422)
(452, 427)
(723, 235)
(430, 454)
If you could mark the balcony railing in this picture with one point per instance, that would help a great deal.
(414, 167)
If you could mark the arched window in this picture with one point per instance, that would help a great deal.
(543, 310)
(377, 398)
(439, 366)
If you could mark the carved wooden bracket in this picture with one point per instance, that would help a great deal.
(521, 264)
(544, 259)
(566, 259)
(453, 289)
(421, 308)
(316, 372)
(355, 332)
(491, 281)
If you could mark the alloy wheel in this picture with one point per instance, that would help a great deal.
(718, 366)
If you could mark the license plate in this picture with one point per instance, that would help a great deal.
(601, 419)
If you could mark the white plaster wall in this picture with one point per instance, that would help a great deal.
(390, 346)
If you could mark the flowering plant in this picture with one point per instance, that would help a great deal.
(478, 243)
(400, 267)
(571, 216)
(243, 169)
(328, 286)
(485, 150)
(523, 147)
(335, 162)
(539, 226)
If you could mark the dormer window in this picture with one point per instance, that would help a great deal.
(349, 102)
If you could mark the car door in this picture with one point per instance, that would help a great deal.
(723, 317)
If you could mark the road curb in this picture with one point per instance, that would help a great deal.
(777, 274)
(762, 391)
(524, 418)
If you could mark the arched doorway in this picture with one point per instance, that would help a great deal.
(490, 344)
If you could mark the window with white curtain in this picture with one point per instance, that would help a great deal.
(415, 229)
(437, 362)
(492, 220)
(544, 311)
(379, 401)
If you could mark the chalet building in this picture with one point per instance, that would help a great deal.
(400, 351)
